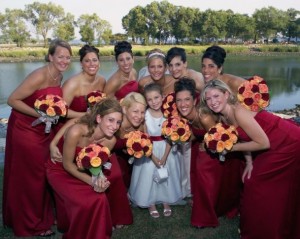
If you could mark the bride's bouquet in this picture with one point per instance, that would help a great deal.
(50, 107)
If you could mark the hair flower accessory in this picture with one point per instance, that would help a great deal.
(220, 139)
(94, 97)
(50, 107)
(138, 145)
(93, 157)
(176, 129)
(169, 107)
(254, 94)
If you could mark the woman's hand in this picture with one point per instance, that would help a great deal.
(100, 184)
(247, 171)
(55, 154)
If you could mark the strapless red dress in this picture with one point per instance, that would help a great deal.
(131, 86)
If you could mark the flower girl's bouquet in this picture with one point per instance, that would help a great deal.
(138, 145)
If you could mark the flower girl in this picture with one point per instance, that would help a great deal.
(148, 187)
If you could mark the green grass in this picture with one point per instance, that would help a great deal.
(175, 227)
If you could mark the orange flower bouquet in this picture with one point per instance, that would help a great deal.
(169, 107)
(138, 145)
(93, 157)
(176, 129)
(50, 107)
(220, 139)
(254, 94)
(94, 97)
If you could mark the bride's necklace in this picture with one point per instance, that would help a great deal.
(52, 77)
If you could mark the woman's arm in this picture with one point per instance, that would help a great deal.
(112, 85)
(33, 82)
(69, 91)
(259, 139)
(54, 150)
(71, 140)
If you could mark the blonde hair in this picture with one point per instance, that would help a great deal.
(131, 98)
(156, 53)
(220, 85)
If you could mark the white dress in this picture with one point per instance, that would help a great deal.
(143, 191)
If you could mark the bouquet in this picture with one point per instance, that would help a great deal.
(92, 158)
(169, 107)
(220, 139)
(94, 97)
(176, 129)
(254, 94)
(138, 145)
(50, 107)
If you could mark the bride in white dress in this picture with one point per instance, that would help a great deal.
(144, 191)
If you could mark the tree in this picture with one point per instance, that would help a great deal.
(182, 23)
(158, 17)
(293, 27)
(44, 17)
(91, 27)
(269, 21)
(65, 28)
(14, 26)
(135, 24)
(240, 26)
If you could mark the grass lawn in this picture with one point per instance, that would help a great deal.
(144, 227)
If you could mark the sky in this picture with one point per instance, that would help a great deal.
(114, 10)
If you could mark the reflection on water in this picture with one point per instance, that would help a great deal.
(282, 74)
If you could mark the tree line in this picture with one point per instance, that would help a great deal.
(157, 22)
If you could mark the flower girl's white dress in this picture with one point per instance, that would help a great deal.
(143, 191)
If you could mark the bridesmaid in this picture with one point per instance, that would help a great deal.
(134, 108)
(27, 205)
(78, 86)
(124, 80)
(87, 207)
(270, 198)
(208, 177)
(157, 67)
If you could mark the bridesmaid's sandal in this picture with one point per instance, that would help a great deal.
(47, 233)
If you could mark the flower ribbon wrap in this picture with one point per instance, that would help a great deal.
(220, 139)
(138, 145)
(94, 97)
(50, 107)
(176, 129)
(93, 157)
(254, 94)
(168, 106)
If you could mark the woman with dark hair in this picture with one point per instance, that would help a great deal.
(208, 174)
(178, 66)
(87, 206)
(213, 61)
(27, 205)
(270, 198)
(76, 88)
(124, 80)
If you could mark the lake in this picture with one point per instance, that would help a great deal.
(282, 74)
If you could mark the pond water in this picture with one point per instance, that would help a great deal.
(282, 74)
